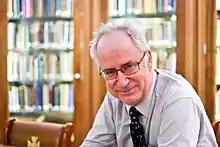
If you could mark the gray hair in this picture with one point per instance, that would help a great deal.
(134, 30)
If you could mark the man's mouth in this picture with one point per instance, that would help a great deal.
(126, 90)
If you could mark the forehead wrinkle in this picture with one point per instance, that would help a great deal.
(113, 41)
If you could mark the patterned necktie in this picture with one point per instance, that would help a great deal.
(137, 131)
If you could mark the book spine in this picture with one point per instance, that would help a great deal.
(39, 96)
(56, 105)
(46, 106)
(58, 7)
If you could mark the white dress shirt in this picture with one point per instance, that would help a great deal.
(173, 116)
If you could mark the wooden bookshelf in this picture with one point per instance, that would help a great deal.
(40, 56)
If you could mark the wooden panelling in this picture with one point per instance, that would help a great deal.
(100, 15)
(186, 39)
(3, 70)
(82, 66)
(200, 48)
(90, 88)
(211, 59)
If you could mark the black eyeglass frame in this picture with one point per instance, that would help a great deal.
(122, 69)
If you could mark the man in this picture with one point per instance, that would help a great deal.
(143, 107)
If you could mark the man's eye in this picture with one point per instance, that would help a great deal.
(110, 72)
(129, 67)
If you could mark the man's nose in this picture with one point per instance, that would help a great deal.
(122, 80)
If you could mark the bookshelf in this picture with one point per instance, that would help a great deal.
(88, 87)
(40, 57)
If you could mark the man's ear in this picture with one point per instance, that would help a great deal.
(149, 56)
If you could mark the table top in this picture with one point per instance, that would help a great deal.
(1, 145)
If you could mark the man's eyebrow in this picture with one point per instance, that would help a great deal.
(129, 62)
(107, 69)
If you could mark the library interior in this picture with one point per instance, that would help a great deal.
(51, 89)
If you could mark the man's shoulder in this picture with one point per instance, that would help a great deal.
(170, 82)
(171, 87)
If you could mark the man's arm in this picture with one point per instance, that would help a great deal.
(102, 133)
(180, 125)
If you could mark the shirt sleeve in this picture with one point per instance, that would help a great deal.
(180, 124)
(102, 133)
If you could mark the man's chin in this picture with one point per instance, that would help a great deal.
(131, 101)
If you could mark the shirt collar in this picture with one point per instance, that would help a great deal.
(144, 106)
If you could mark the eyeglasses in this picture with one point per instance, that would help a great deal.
(127, 70)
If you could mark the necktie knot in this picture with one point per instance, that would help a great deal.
(134, 113)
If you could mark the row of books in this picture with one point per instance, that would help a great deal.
(159, 33)
(165, 60)
(127, 7)
(42, 66)
(39, 8)
(57, 34)
(41, 97)
(161, 59)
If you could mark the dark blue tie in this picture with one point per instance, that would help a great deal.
(137, 131)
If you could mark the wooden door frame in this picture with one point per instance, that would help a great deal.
(89, 89)
(3, 71)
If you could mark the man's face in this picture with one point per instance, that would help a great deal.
(116, 50)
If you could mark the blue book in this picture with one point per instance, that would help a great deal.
(38, 86)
